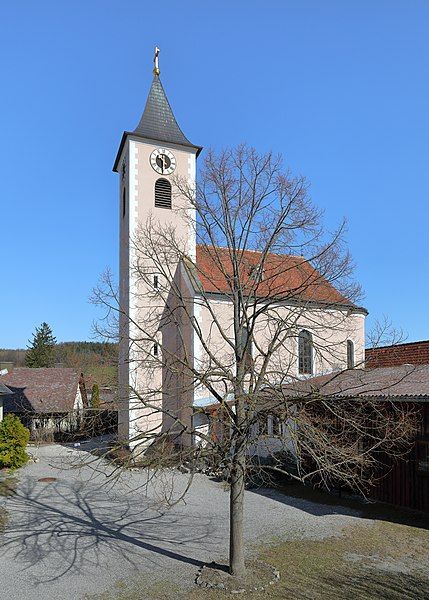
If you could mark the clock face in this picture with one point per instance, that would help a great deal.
(163, 161)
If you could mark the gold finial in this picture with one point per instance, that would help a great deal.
(156, 70)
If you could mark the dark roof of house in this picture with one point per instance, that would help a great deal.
(41, 390)
(400, 382)
(412, 353)
(285, 277)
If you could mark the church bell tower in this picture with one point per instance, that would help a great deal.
(147, 161)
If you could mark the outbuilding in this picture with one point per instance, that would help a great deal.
(48, 400)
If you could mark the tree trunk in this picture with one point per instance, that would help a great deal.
(236, 510)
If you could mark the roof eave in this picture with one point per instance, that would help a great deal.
(314, 303)
(141, 137)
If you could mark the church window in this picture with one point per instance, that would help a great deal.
(162, 193)
(155, 349)
(305, 353)
(245, 348)
(350, 354)
(155, 282)
(124, 203)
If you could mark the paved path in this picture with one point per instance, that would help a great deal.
(81, 533)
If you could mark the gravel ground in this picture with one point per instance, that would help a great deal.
(81, 533)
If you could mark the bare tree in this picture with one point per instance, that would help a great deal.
(221, 329)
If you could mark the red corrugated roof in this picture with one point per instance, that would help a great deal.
(284, 276)
(401, 383)
(404, 381)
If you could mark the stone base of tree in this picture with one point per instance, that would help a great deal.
(258, 577)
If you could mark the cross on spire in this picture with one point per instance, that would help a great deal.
(156, 69)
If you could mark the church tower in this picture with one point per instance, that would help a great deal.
(147, 160)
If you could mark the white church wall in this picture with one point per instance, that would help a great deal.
(330, 327)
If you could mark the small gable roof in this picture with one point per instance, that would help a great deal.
(285, 276)
(42, 390)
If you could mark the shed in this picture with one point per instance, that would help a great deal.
(45, 398)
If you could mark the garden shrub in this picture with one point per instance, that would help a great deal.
(13, 441)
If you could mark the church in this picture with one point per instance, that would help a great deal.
(157, 165)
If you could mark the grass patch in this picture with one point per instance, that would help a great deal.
(386, 560)
(371, 561)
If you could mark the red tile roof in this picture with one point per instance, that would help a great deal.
(41, 390)
(285, 276)
(412, 353)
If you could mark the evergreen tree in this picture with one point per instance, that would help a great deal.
(95, 398)
(41, 351)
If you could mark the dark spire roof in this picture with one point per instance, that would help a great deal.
(158, 121)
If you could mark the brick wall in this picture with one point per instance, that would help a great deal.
(414, 353)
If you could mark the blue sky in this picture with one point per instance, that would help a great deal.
(341, 89)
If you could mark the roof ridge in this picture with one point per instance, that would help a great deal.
(46, 368)
(396, 345)
(255, 251)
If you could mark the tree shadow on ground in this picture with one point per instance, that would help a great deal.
(61, 528)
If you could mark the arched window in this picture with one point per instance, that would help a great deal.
(124, 203)
(305, 353)
(245, 347)
(162, 193)
(350, 354)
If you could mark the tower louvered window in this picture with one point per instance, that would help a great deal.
(162, 193)
(245, 348)
(305, 353)
(350, 354)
